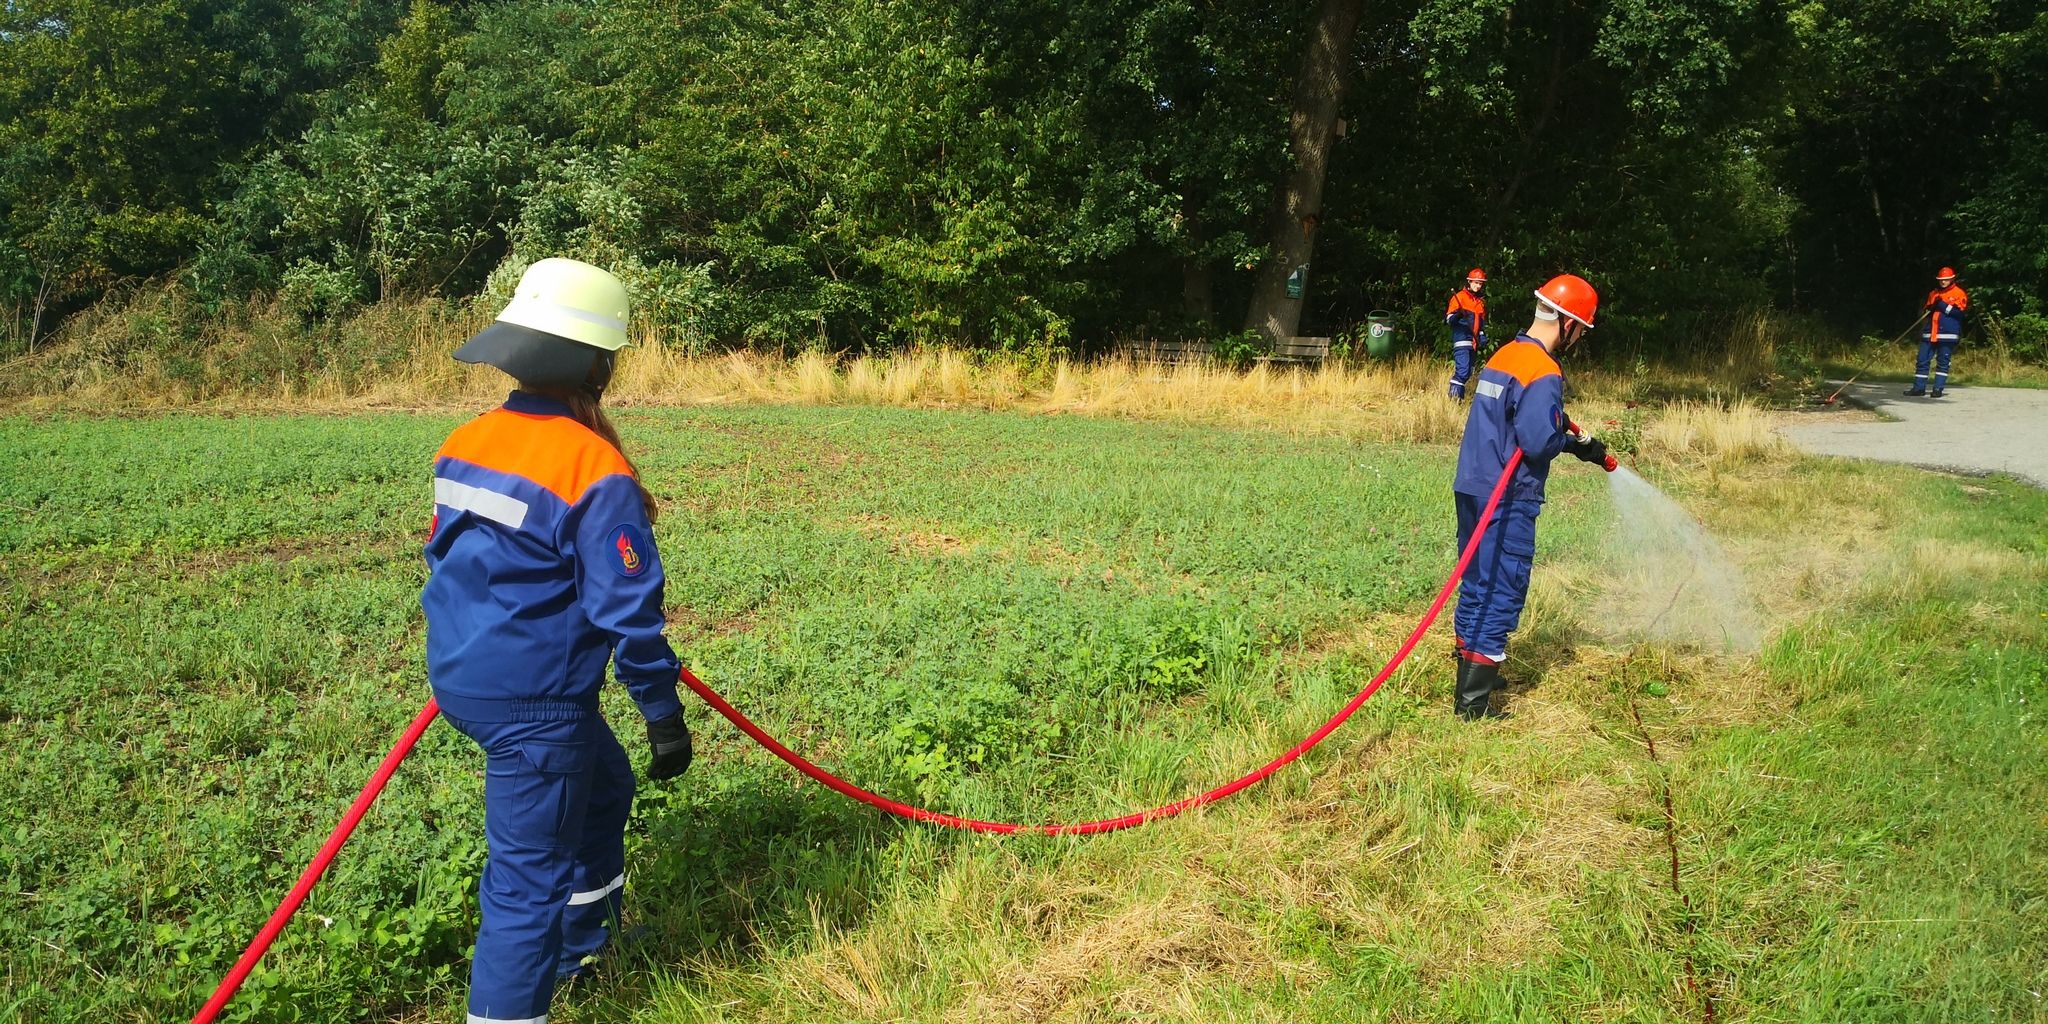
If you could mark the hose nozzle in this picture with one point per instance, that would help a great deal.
(1609, 463)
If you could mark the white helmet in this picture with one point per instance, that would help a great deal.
(564, 318)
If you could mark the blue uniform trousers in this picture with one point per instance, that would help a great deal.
(1937, 352)
(1461, 369)
(1496, 583)
(556, 797)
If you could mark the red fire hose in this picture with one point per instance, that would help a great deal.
(318, 867)
(314, 870)
(904, 810)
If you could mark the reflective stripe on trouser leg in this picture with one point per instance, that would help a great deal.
(1943, 350)
(1461, 368)
(537, 784)
(1920, 364)
(598, 879)
(1497, 582)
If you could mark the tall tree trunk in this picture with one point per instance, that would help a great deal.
(1318, 90)
(1197, 297)
(1884, 236)
(1196, 290)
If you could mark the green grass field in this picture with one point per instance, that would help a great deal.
(209, 633)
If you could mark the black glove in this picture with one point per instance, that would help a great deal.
(1462, 319)
(670, 740)
(1590, 449)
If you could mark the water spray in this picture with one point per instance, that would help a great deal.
(1830, 400)
(1656, 541)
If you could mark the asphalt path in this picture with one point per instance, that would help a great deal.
(1971, 430)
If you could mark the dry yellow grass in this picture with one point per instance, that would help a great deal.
(1400, 401)
(1712, 435)
(146, 356)
(1317, 398)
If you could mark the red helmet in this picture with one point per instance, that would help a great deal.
(1476, 275)
(1571, 295)
(1945, 274)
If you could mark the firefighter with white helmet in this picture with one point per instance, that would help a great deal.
(1517, 403)
(541, 570)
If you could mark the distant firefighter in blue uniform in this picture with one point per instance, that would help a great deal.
(1945, 307)
(1517, 402)
(541, 569)
(1466, 313)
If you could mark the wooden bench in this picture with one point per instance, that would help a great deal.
(1167, 351)
(1305, 351)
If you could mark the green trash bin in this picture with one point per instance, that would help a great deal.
(1379, 334)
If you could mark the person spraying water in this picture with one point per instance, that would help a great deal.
(1517, 403)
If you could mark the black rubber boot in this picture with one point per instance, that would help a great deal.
(1476, 683)
(1937, 392)
(1915, 392)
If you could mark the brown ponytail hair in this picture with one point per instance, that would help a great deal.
(586, 407)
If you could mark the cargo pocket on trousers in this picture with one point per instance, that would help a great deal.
(546, 796)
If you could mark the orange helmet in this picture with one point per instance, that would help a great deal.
(1476, 275)
(1571, 295)
(1945, 274)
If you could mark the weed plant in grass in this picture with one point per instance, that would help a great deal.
(209, 631)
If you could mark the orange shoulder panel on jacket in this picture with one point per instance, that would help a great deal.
(1524, 361)
(556, 452)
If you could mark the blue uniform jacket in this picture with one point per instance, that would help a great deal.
(1945, 308)
(1517, 402)
(1466, 313)
(541, 567)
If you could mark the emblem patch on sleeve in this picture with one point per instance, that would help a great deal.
(629, 550)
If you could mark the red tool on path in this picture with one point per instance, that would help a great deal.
(307, 879)
(1830, 400)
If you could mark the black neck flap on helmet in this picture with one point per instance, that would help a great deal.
(539, 358)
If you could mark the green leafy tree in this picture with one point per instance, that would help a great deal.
(1909, 110)
(122, 123)
(1027, 174)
